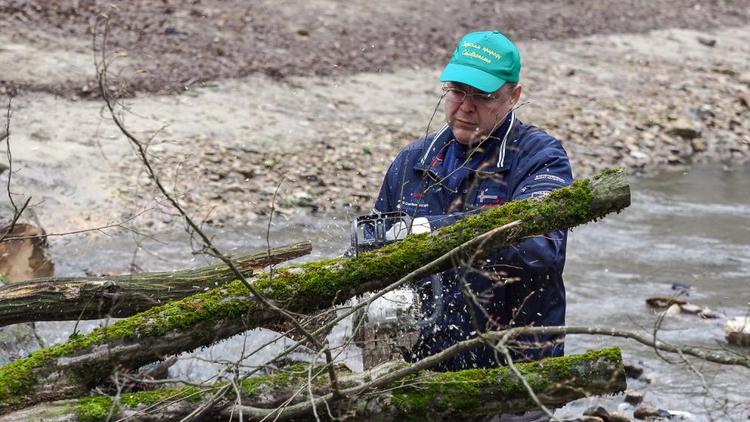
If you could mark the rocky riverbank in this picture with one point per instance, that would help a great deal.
(267, 118)
(652, 102)
(176, 44)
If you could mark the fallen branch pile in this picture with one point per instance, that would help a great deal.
(70, 370)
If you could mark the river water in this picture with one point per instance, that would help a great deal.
(690, 227)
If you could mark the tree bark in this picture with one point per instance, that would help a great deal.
(71, 369)
(473, 393)
(65, 299)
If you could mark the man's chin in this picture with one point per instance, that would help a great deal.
(466, 137)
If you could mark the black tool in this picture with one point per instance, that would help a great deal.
(369, 231)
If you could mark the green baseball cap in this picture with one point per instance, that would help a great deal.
(484, 60)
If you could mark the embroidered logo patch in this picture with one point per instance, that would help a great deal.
(540, 194)
(550, 177)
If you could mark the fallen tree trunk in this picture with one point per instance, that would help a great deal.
(457, 395)
(71, 369)
(65, 299)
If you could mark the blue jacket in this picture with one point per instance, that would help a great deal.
(517, 286)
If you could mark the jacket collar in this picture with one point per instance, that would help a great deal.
(498, 139)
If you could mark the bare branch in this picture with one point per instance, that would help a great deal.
(17, 212)
(715, 356)
(110, 102)
(100, 229)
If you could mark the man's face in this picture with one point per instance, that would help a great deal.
(479, 113)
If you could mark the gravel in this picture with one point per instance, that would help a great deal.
(310, 108)
(178, 44)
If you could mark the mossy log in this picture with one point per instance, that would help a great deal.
(73, 368)
(473, 393)
(74, 298)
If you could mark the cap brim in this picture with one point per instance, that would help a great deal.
(471, 76)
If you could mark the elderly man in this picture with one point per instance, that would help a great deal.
(483, 157)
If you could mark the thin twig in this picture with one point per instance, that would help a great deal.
(17, 212)
(8, 153)
(120, 224)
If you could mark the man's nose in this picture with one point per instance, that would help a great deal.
(467, 105)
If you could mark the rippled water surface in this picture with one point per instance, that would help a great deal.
(691, 228)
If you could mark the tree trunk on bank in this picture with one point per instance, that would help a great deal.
(73, 368)
(66, 299)
(425, 395)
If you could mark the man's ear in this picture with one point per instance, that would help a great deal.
(515, 94)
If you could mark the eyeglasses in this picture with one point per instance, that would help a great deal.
(456, 95)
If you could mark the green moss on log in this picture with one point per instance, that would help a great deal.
(443, 396)
(74, 298)
(17, 378)
(307, 287)
(91, 409)
(98, 408)
(339, 279)
(470, 392)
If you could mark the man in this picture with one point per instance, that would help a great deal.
(483, 157)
